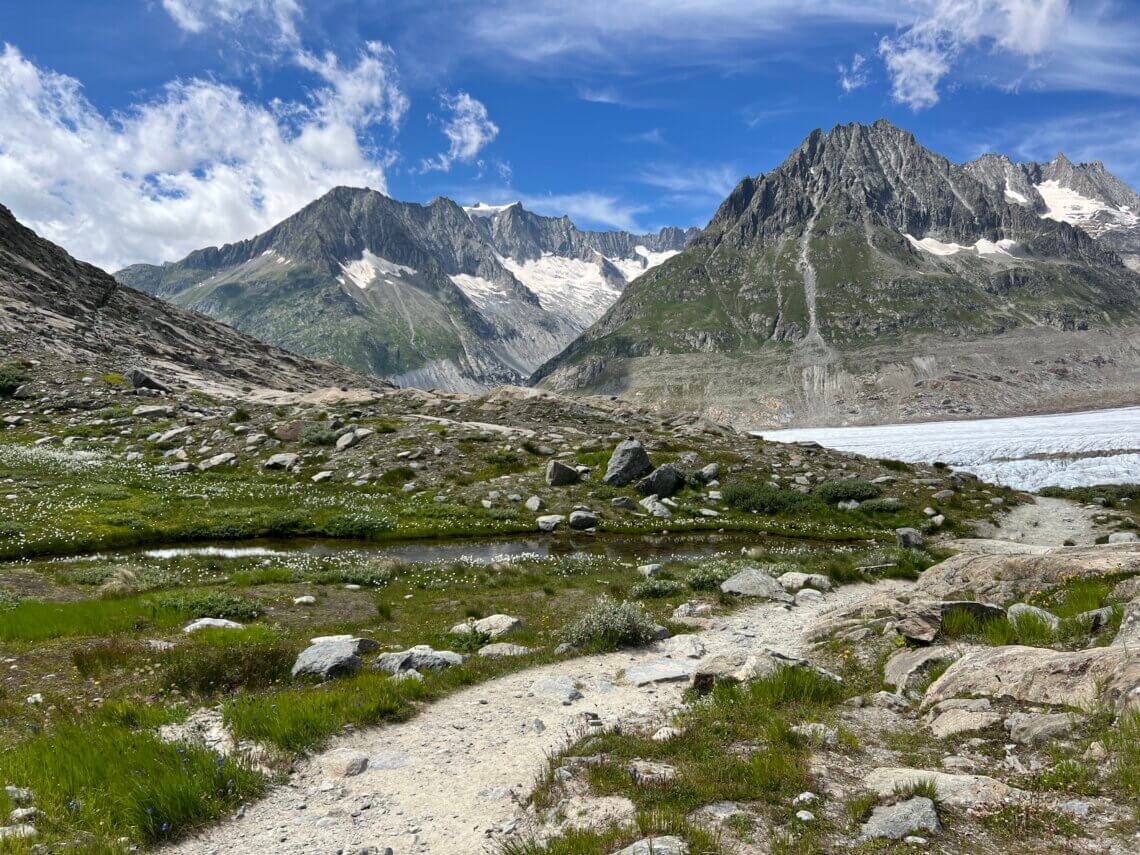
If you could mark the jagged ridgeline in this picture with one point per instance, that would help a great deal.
(867, 278)
(428, 295)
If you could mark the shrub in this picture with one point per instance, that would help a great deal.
(895, 465)
(221, 660)
(654, 588)
(211, 604)
(847, 490)
(610, 624)
(8, 599)
(708, 577)
(241, 414)
(102, 655)
(317, 435)
(880, 506)
(12, 377)
(373, 574)
(764, 498)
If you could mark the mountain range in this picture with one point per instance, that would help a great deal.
(432, 295)
(54, 308)
(869, 279)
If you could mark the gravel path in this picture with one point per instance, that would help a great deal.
(450, 779)
(1047, 522)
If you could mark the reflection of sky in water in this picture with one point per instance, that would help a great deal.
(1004, 450)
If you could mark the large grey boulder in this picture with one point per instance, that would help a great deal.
(285, 460)
(558, 474)
(492, 626)
(418, 658)
(754, 582)
(663, 482)
(328, 658)
(894, 822)
(581, 520)
(143, 380)
(1037, 675)
(628, 463)
(1030, 728)
(959, 791)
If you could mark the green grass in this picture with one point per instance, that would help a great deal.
(709, 755)
(1124, 741)
(303, 719)
(615, 837)
(107, 781)
(763, 498)
(33, 620)
(222, 660)
(850, 489)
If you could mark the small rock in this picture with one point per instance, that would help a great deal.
(656, 846)
(581, 520)
(211, 623)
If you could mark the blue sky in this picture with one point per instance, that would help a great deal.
(137, 130)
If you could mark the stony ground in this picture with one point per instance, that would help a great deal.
(455, 778)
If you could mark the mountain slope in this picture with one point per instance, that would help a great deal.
(427, 295)
(867, 278)
(53, 307)
(1085, 195)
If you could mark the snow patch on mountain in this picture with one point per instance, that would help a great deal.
(370, 267)
(1013, 196)
(575, 289)
(483, 292)
(981, 247)
(479, 209)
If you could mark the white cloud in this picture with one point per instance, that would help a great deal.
(198, 164)
(196, 16)
(468, 129)
(688, 181)
(921, 56)
(855, 75)
(588, 209)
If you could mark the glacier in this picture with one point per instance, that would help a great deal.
(1024, 452)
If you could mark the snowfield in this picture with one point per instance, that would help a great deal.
(1027, 452)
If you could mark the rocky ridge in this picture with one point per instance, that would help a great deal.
(868, 279)
(435, 295)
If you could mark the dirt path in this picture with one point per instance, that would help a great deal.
(1046, 522)
(450, 779)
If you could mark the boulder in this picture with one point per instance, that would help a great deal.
(906, 666)
(960, 791)
(1023, 611)
(502, 649)
(1029, 728)
(794, 581)
(754, 582)
(143, 380)
(955, 721)
(282, 461)
(419, 658)
(549, 522)
(210, 623)
(582, 520)
(1002, 572)
(327, 659)
(1123, 537)
(1128, 635)
(1033, 675)
(217, 460)
(654, 507)
(492, 626)
(534, 504)
(894, 822)
(908, 538)
(558, 474)
(346, 440)
(663, 482)
(153, 411)
(628, 463)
